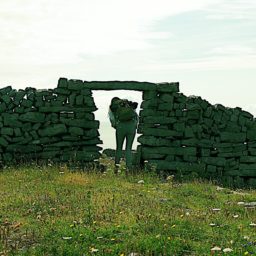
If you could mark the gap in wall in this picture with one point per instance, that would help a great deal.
(102, 100)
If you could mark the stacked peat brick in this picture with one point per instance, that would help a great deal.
(188, 134)
(56, 124)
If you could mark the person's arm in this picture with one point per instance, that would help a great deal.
(112, 118)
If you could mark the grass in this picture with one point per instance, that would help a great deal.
(55, 211)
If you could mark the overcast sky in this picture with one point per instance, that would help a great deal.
(209, 46)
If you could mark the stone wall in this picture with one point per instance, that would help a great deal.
(56, 124)
(189, 135)
(180, 134)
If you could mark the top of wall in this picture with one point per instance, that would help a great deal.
(117, 85)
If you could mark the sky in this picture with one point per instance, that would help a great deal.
(208, 46)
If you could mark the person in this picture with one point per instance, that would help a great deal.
(123, 118)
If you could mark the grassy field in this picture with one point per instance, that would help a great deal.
(55, 211)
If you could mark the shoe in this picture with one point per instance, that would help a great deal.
(116, 169)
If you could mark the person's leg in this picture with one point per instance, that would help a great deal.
(129, 141)
(120, 136)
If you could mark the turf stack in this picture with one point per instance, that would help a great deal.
(56, 124)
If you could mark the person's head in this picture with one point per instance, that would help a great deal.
(114, 100)
(114, 103)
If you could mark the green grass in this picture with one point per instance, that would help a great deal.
(54, 211)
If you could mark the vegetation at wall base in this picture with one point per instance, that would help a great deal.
(49, 210)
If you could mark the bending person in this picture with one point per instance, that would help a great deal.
(124, 119)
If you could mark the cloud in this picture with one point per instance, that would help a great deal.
(95, 39)
(45, 32)
(233, 10)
